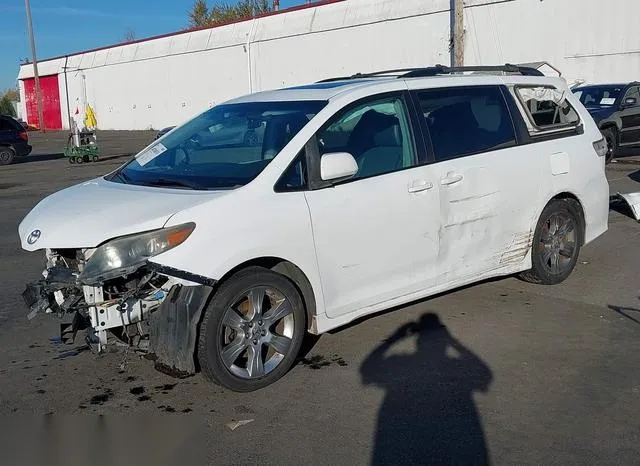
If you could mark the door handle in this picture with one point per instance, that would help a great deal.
(451, 178)
(419, 185)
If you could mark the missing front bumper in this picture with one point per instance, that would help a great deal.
(160, 311)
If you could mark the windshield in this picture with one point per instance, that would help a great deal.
(224, 147)
(598, 96)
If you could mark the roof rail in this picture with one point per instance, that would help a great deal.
(440, 70)
(369, 75)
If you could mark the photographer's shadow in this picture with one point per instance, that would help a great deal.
(428, 415)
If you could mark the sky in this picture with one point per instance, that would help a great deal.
(67, 26)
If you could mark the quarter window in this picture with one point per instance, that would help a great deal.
(464, 121)
(295, 177)
(377, 133)
(546, 109)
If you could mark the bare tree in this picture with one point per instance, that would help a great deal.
(129, 35)
(12, 93)
(200, 15)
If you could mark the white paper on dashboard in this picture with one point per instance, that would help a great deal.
(150, 154)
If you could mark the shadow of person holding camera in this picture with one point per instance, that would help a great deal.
(428, 415)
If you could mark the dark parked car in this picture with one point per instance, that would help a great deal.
(164, 131)
(14, 140)
(616, 110)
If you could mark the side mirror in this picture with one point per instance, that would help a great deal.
(337, 166)
(630, 102)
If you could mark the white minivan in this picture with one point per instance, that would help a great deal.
(356, 194)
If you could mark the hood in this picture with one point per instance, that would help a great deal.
(86, 215)
(600, 113)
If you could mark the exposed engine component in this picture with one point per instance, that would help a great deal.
(119, 305)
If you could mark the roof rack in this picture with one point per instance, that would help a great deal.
(374, 74)
(440, 69)
(437, 70)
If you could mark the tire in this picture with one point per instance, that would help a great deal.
(229, 339)
(94, 158)
(79, 160)
(554, 254)
(6, 155)
(72, 160)
(611, 136)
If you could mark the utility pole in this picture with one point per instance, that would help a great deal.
(457, 32)
(35, 67)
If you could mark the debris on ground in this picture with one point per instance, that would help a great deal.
(233, 425)
(633, 200)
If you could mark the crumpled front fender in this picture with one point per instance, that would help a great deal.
(174, 329)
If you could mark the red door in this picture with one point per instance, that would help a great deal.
(50, 102)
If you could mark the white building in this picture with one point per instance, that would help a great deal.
(162, 81)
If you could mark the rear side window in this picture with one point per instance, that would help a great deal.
(465, 121)
(546, 109)
(4, 124)
(10, 124)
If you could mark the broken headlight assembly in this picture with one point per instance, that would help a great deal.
(124, 255)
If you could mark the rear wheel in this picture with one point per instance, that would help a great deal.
(6, 155)
(252, 330)
(79, 159)
(556, 243)
(611, 136)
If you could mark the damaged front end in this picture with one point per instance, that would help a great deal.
(118, 296)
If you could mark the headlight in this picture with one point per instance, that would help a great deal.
(124, 255)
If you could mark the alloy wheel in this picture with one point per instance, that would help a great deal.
(558, 242)
(256, 332)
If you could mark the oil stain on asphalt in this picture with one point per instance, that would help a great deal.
(319, 361)
(102, 397)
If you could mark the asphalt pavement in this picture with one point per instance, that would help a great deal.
(504, 370)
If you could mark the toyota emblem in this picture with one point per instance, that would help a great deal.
(33, 236)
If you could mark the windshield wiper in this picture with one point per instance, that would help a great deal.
(177, 183)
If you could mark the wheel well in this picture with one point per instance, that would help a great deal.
(289, 270)
(609, 126)
(578, 205)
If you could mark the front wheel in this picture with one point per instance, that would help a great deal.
(252, 330)
(556, 243)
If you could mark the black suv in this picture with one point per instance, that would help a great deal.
(14, 140)
(616, 110)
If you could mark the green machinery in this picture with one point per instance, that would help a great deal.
(82, 147)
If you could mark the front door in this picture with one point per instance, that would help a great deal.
(376, 235)
(630, 117)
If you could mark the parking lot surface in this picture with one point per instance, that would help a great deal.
(504, 370)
